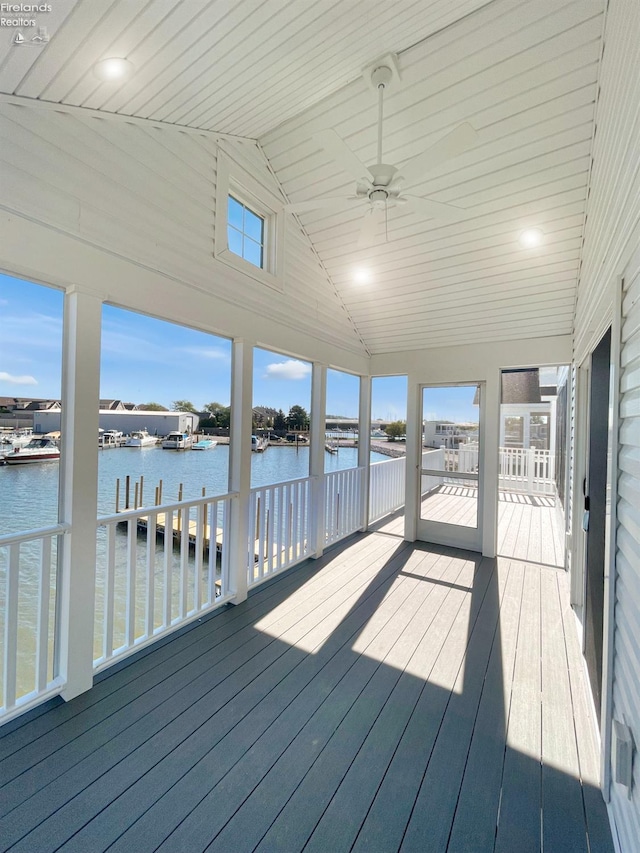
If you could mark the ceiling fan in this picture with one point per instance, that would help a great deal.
(381, 185)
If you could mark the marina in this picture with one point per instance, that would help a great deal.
(39, 498)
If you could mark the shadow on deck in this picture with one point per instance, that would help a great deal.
(387, 696)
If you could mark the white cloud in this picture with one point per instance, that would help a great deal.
(17, 380)
(207, 352)
(290, 369)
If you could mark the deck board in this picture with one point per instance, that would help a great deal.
(388, 696)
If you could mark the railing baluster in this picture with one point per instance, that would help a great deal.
(130, 609)
(211, 512)
(109, 591)
(151, 573)
(183, 515)
(42, 631)
(167, 608)
(197, 569)
(11, 627)
(261, 541)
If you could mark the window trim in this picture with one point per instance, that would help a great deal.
(233, 180)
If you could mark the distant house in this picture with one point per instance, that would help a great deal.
(18, 412)
(112, 406)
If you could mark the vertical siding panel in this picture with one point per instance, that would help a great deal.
(626, 661)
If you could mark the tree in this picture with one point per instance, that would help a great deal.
(213, 408)
(395, 429)
(153, 407)
(297, 418)
(279, 421)
(183, 406)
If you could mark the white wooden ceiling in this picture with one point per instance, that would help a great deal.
(523, 73)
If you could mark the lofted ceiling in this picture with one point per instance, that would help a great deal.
(523, 74)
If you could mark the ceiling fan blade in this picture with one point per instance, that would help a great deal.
(435, 209)
(459, 140)
(342, 155)
(335, 203)
(370, 227)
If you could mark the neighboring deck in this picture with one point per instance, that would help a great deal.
(388, 696)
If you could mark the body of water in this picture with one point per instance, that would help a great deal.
(29, 493)
(29, 499)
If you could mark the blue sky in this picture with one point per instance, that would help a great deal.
(147, 360)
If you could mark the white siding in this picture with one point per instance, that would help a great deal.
(612, 248)
(626, 684)
(146, 195)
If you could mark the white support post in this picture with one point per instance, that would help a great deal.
(317, 454)
(491, 452)
(240, 468)
(414, 457)
(364, 444)
(78, 490)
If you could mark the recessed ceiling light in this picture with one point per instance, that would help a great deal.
(113, 68)
(361, 275)
(531, 237)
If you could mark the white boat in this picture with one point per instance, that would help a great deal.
(204, 444)
(140, 438)
(11, 440)
(259, 445)
(38, 450)
(177, 440)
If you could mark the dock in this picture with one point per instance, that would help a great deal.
(142, 524)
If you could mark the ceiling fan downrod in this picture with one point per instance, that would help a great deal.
(380, 77)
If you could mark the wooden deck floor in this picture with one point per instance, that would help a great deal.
(386, 697)
(529, 527)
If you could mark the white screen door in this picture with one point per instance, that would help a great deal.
(450, 500)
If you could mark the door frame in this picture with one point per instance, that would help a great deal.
(441, 533)
(578, 577)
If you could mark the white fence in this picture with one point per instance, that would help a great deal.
(343, 499)
(280, 528)
(527, 470)
(28, 581)
(158, 568)
(386, 487)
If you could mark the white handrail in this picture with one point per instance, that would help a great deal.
(37, 533)
(343, 496)
(158, 567)
(280, 528)
(386, 487)
(28, 671)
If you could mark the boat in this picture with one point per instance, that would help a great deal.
(109, 438)
(177, 440)
(38, 450)
(259, 444)
(11, 440)
(140, 438)
(204, 444)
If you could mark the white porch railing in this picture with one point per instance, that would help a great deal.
(386, 487)
(527, 470)
(343, 513)
(280, 528)
(158, 568)
(28, 580)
